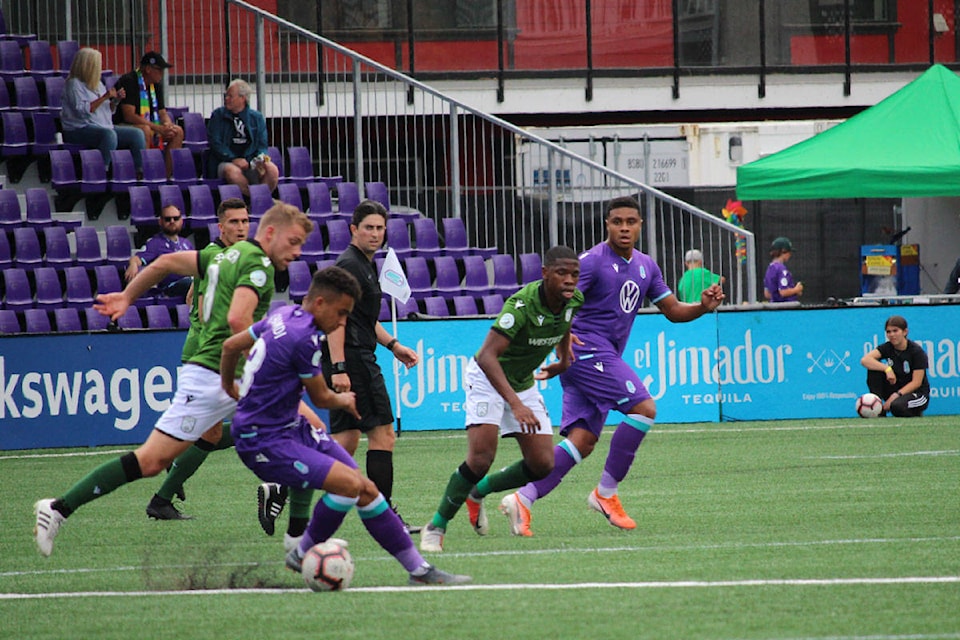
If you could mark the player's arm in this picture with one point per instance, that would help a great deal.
(335, 341)
(307, 412)
(323, 396)
(404, 354)
(488, 358)
(872, 361)
(916, 381)
(565, 355)
(242, 306)
(677, 311)
(183, 263)
(233, 348)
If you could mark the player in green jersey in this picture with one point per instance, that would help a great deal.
(502, 397)
(238, 292)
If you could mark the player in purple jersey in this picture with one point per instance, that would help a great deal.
(614, 279)
(280, 446)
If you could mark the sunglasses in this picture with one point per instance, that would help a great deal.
(170, 218)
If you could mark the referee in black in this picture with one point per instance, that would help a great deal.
(349, 361)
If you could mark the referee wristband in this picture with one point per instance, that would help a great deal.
(340, 367)
(889, 369)
(390, 345)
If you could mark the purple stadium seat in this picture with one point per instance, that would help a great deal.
(88, 250)
(11, 215)
(119, 246)
(227, 191)
(158, 316)
(436, 306)
(57, 248)
(39, 213)
(260, 200)
(290, 193)
(530, 267)
(377, 191)
(66, 50)
(52, 94)
(123, 171)
(348, 197)
(94, 320)
(184, 168)
(15, 141)
(26, 248)
(338, 236)
(328, 262)
(299, 279)
(299, 166)
(9, 322)
(475, 279)
(142, 212)
(154, 168)
(465, 306)
(41, 58)
(492, 303)
(16, 287)
(456, 243)
(78, 291)
(384, 309)
(276, 157)
(408, 308)
(427, 238)
(27, 94)
(448, 278)
(45, 134)
(67, 319)
(130, 319)
(313, 248)
(93, 172)
(504, 275)
(213, 231)
(47, 285)
(170, 194)
(194, 132)
(202, 209)
(6, 258)
(252, 231)
(11, 60)
(398, 238)
(22, 39)
(418, 277)
(183, 315)
(36, 321)
(63, 173)
(5, 103)
(107, 279)
(318, 199)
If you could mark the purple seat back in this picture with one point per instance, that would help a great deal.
(26, 248)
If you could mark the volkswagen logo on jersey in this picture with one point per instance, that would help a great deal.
(629, 296)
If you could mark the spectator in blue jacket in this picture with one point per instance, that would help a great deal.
(238, 141)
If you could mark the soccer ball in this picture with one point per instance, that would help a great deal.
(327, 567)
(869, 405)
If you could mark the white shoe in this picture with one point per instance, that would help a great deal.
(478, 516)
(47, 525)
(290, 543)
(431, 538)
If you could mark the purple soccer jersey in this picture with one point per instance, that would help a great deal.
(287, 351)
(159, 245)
(613, 289)
(778, 277)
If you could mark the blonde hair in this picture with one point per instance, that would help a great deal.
(282, 215)
(86, 66)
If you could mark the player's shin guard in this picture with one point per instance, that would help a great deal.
(387, 529)
(328, 515)
(623, 448)
(565, 457)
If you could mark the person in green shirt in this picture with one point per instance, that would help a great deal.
(696, 279)
(238, 291)
(502, 398)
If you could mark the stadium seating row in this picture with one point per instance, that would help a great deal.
(72, 320)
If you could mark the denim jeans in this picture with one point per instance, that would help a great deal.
(106, 140)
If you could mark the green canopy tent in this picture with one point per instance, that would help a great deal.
(906, 146)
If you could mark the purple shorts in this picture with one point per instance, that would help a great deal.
(298, 457)
(593, 385)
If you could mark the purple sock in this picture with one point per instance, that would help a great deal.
(565, 456)
(387, 529)
(623, 448)
(328, 515)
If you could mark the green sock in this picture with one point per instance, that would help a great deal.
(183, 467)
(102, 480)
(299, 503)
(511, 477)
(459, 485)
(226, 440)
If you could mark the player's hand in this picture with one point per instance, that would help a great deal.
(525, 418)
(232, 390)
(406, 355)
(348, 402)
(711, 297)
(551, 370)
(341, 382)
(891, 376)
(113, 305)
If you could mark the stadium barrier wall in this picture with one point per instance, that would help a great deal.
(97, 389)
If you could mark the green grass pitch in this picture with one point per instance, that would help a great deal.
(775, 530)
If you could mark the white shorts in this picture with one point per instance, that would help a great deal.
(198, 404)
(485, 406)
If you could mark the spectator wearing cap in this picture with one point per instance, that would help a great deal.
(143, 106)
(238, 141)
(778, 284)
(696, 279)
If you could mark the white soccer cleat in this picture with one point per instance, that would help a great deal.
(431, 538)
(478, 516)
(47, 525)
(517, 514)
(290, 542)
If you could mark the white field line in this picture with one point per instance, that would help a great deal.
(530, 552)
(680, 584)
(461, 434)
(947, 452)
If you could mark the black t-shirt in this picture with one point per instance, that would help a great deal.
(362, 323)
(905, 362)
(129, 83)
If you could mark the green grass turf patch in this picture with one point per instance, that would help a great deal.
(792, 529)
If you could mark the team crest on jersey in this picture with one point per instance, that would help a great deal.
(315, 360)
(482, 408)
(231, 255)
(643, 272)
(629, 296)
(631, 388)
(258, 278)
(506, 321)
(188, 424)
(906, 367)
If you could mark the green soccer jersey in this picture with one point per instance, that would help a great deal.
(533, 330)
(213, 249)
(243, 265)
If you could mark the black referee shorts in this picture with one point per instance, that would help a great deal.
(373, 401)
